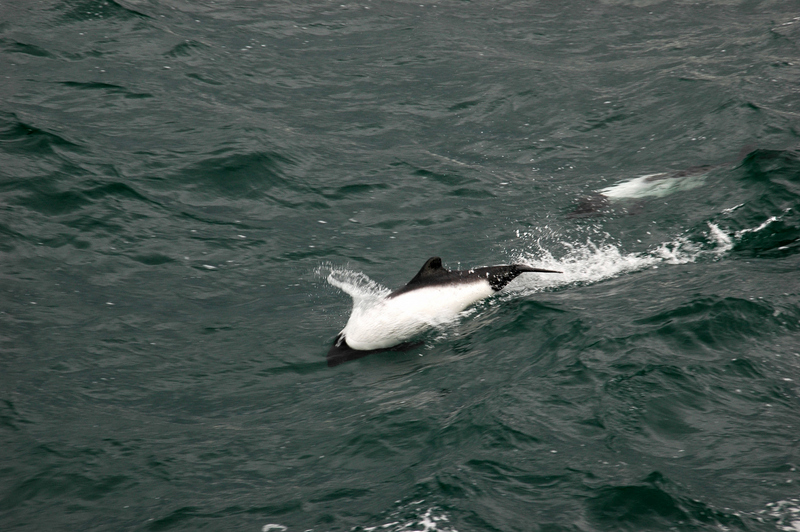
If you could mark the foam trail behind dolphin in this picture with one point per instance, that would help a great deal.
(589, 263)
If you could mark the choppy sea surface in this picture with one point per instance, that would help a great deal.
(191, 192)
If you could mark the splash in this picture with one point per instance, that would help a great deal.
(767, 222)
(433, 520)
(582, 264)
(364, 291)
(786, 514)
(721, 239)
(784, 217)
(590, 263)
(714, 244)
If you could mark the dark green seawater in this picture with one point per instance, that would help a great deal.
(179, 180)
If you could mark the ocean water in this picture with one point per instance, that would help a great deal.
(191, 192)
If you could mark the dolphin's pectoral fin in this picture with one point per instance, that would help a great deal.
(340, 352)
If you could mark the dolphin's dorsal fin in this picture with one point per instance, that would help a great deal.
(431, 268)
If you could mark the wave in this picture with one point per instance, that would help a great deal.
(765, 221)
(654, 503)
(18, 136)
(87, 10)
(777, 235)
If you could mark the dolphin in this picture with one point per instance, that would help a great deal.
(655, 185)
(434, 296)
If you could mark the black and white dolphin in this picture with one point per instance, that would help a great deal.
(434, 296)
(655, 185)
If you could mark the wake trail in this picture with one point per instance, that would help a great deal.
(589, 263)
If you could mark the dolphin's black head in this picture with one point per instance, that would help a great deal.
(341, 352)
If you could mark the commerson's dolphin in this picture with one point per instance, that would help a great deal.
(647, 186)
(434, 296)
(643, 187)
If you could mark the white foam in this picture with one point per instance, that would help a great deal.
(761, 227)
(433, 520)
(722, 241)
(590, 263)
(786, 513)
(731, 209)
(582, 264)
(273, 526)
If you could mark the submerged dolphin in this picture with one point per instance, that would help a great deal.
(434, 296)
(655, 185)
(642, 187)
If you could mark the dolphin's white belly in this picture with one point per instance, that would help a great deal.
(394, 320)
(653, 185)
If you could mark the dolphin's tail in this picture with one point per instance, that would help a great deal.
(500, 276)
(524, 269)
